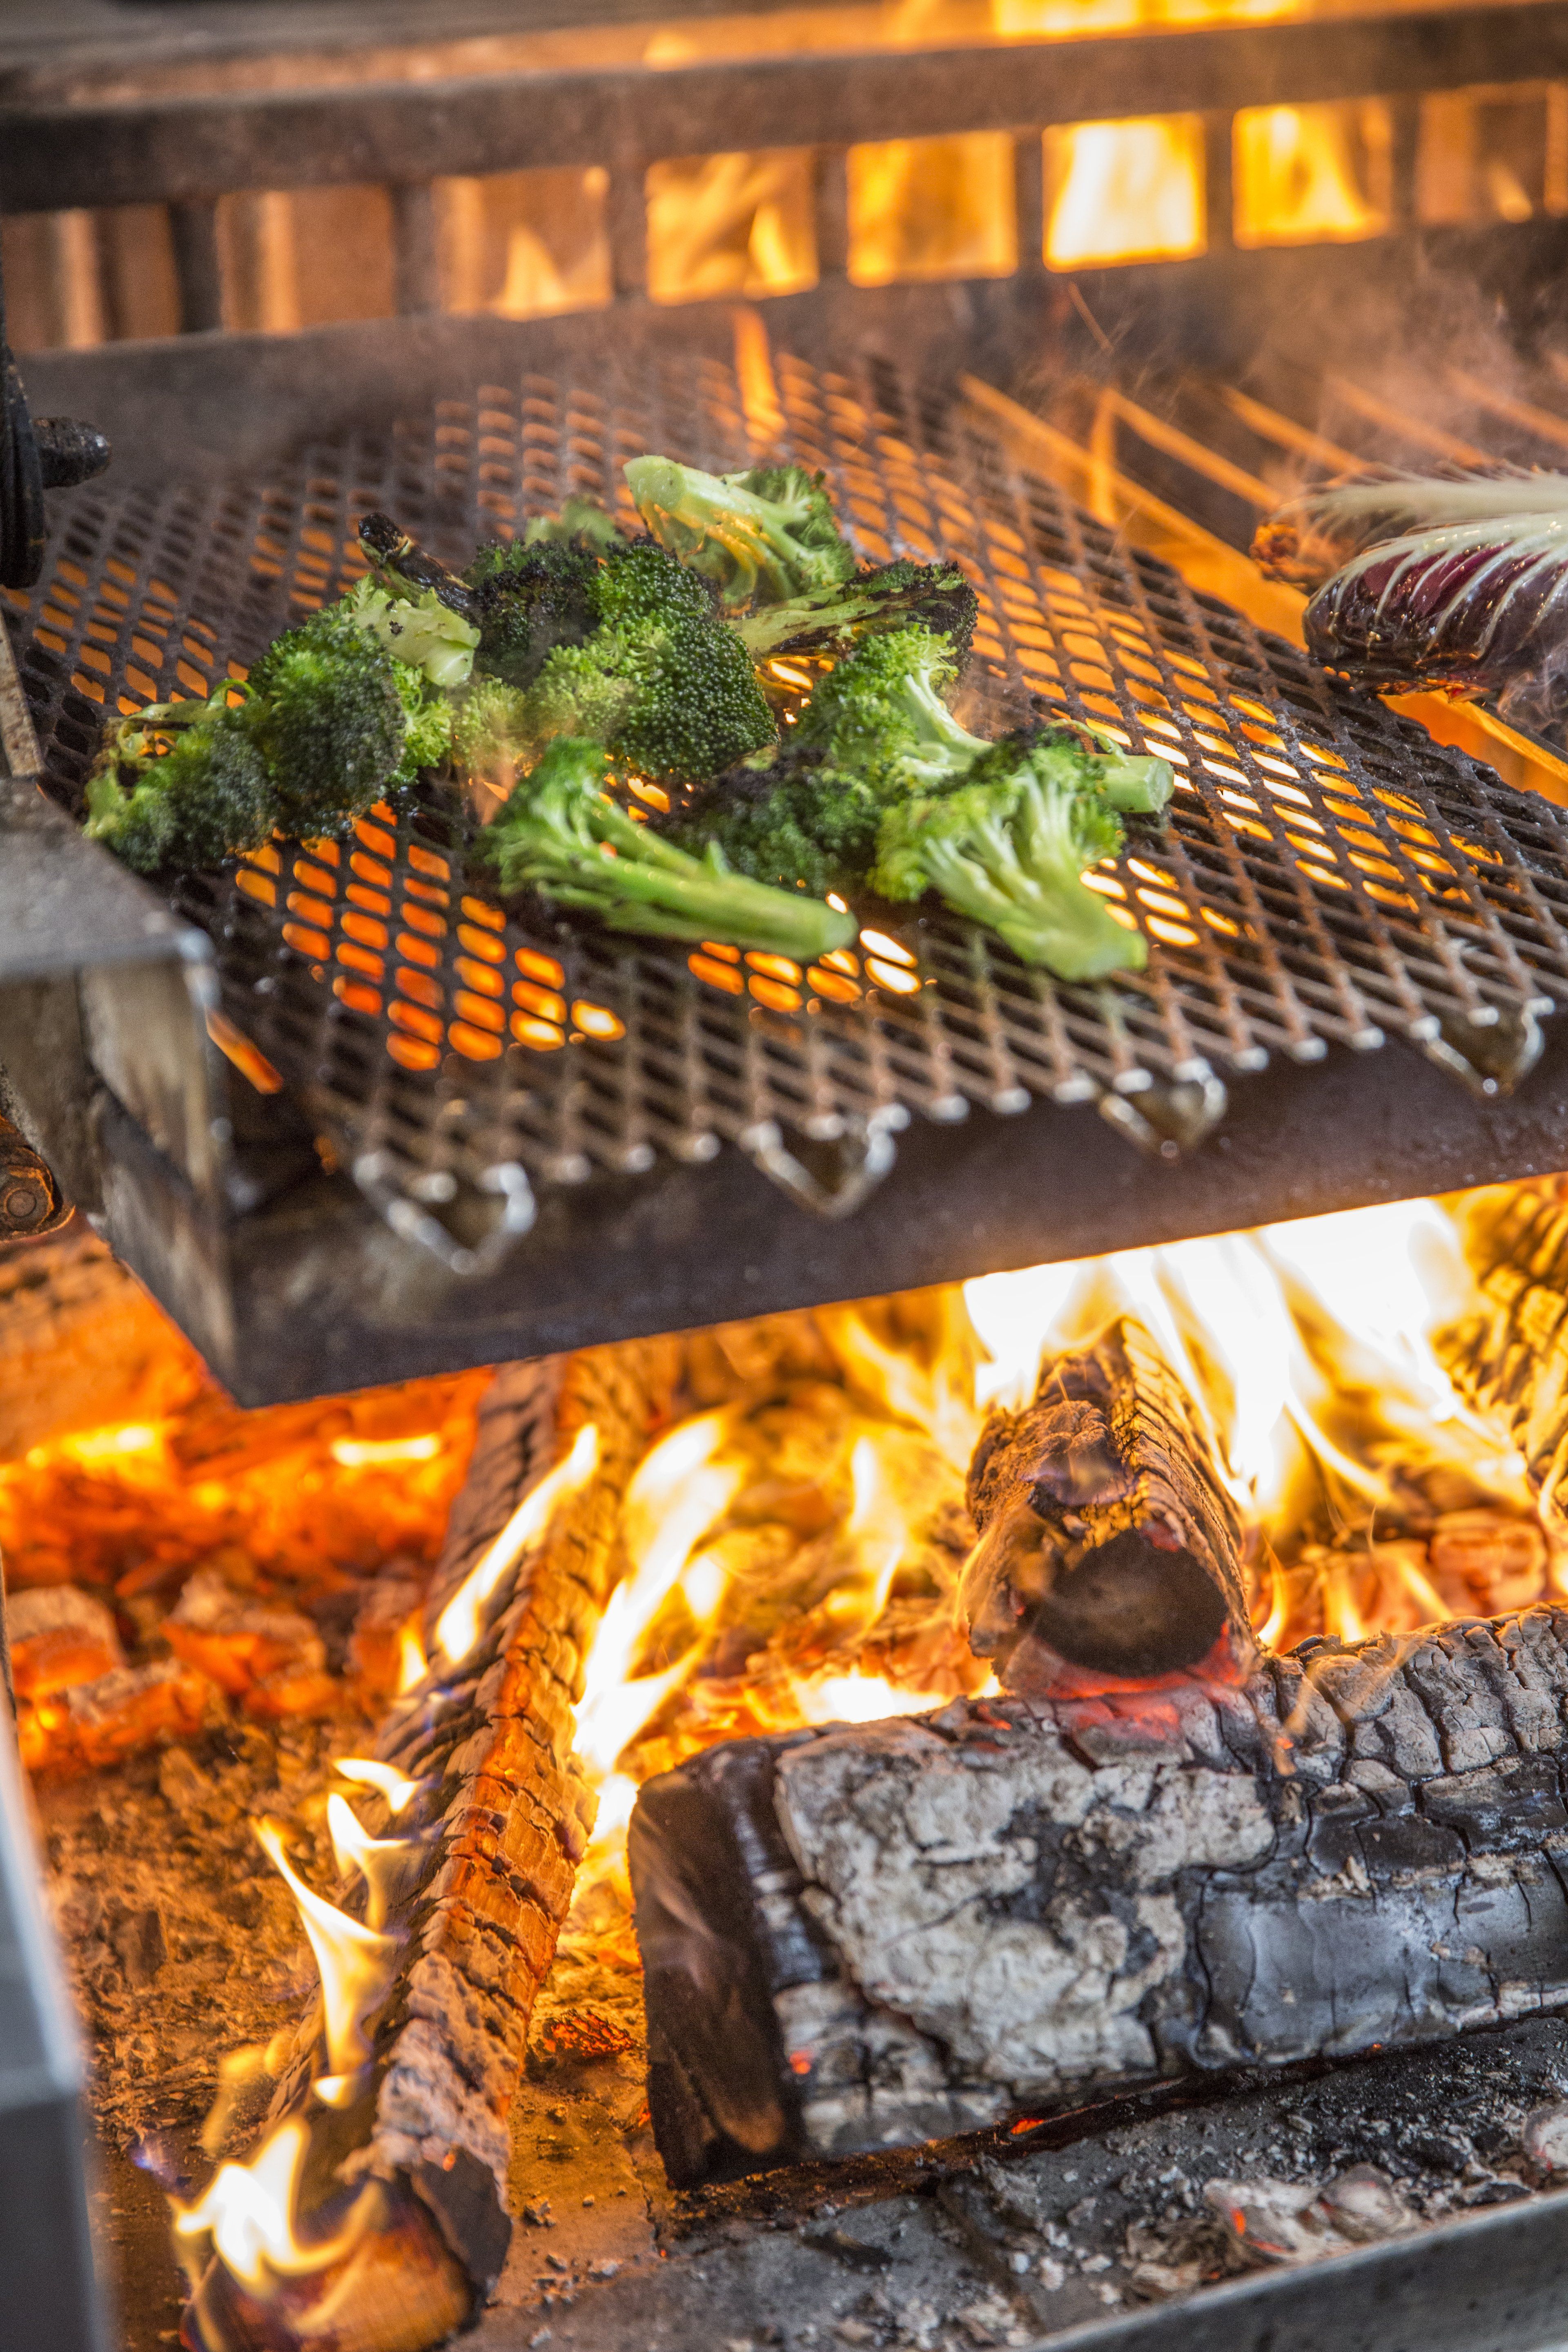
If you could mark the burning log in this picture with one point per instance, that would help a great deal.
(1107, 1541)
(386, 2163)
(877, 1934)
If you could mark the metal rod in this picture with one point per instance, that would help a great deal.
(415, 249)
(199, 265)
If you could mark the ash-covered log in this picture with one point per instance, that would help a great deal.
(877, 1934)
(411, 2176)
(1107, 1540)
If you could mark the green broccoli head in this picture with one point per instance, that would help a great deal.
(1008, 847)
(879, 715)
(427, 712)
(492, 735)
(791, 820)
(760, 537)
(580, 521)
(561, 834)
(206, 797)
(322, 707)
(528, 599)
(662, 682)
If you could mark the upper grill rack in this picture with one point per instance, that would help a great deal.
(1328, 875)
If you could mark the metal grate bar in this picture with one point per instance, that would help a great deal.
(1329, 876)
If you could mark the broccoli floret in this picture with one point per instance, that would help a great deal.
(419, 631)
(879, 715)
(527, 600)
(323, 707)
(874, 728)
(205, 797)
(580, 520)
(560, 834)
(791, 819)
(427, 712)
(1007, 847)
(762, 536)
(662, 682)
(891, 596)
(492, 735)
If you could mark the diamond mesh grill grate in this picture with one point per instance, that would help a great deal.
(1329, 876)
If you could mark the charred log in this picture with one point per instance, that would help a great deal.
(1107, 1541)
(873, 1935)
(507, 1816)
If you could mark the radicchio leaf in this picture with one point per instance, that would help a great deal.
(1474, 604)
(1308, 539)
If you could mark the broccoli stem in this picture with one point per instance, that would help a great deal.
(1056, 921)
(561, 834)
(1138, 785)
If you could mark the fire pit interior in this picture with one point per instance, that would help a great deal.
(714, 1648)
(296, 1688)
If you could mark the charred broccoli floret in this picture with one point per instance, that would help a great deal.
(560, 834)
(180, 784)
(793, 818)
(662, 682)
(530, 599)
(874, 728)
(889, 596)
(1008, 848)
(761, 536)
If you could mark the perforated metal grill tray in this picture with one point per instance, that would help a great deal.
(1328, 875)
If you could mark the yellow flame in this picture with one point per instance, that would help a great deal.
(458, 1627)
(107, 1444)
(381, 1863)
(396, 1786)
(412, 1663)
(861, 1698)
(676, 1494)
(362, 1452)
(355, 1962)
(1307, 1350)
(248, 2211)
(1125, 190)
(1305, 173)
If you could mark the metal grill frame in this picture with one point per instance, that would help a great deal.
(275, 1263)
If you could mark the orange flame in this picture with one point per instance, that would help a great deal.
(248, 2211)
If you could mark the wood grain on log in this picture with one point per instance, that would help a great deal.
(509, 1816)
(1107, 1540)
(873, 1935)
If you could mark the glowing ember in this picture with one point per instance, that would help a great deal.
(461, 1622)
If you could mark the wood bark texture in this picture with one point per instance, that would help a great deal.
(872, 1935)
(1106, 1537)
(507, 1816)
